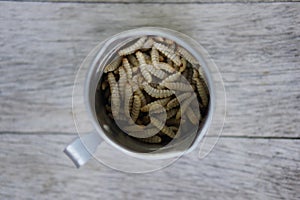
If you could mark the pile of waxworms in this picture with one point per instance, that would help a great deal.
(143, 76)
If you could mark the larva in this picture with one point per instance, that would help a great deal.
(122, 81)
(166, 130)
(127, 67)
(175, 102)
(192, 116)
(168, 53)
(147, 59)
(156, 72)
(166, 67)
(133, 61)
(184, 106)
(154, 139)
(184, 53)
(128, 100)
(146, 73)
(183, 66)
(159, 39)
(134, 47)
(161, 102)
(171, 78)
(136, 107)
(156, 92)
(154, 56)
(201, 91)
(142, 97)
(148, 44)
(113, 65)
(174, 122)
(115, 96)
(145, 133)
(178, 86)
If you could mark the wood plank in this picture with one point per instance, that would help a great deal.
(256, 47)
(237, 168)
(163, 1)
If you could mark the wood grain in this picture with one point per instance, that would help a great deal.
(256, 47)
(34, 167)
(161, 1)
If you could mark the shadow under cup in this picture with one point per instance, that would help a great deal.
(109, 130)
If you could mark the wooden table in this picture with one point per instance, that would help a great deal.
(256, 46)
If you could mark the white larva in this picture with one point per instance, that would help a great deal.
(164, 129)
(156, 72)
(148, 44)
(154, 139)
(178, 86)
(192, 116)
(201, 91)
(113, 65)
(183, 66)
(184, 53)
(156, 92)
(175, 102)
(166, 67)
(161, 102)
(184, 106)
(171, 78)
(128, 100)
(115, 96)
(128, 68)
(136, 107)
(122, 81)
(134, 47)
(168, 53)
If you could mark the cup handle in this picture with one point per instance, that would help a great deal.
(82, 148)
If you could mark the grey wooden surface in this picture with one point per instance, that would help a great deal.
(256, 47)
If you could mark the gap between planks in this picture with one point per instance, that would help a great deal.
(208, 136)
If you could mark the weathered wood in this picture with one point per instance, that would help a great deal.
(34, 167)
(163, 1)
(256, 47)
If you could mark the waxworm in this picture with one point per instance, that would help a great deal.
(192, 116)
(159, 39)
(139, 131)
(178, 86)
(154, 139)
(128, 68)
(148, 44)
(201, 92)
(175, 102)
(164, 129)
(183, 66)
(136, 107)
(156, 72)
(142, 96)
(171, 78)
(168, 53)
(128, 100)
(166, 67)
(174, 122)
(115, 97)
(185, 54)
(134, 47)
(161, 102)
(184, 106)
(146, 73)
(154, 56)
(156, 92)
(113, 65)
(122, 81)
